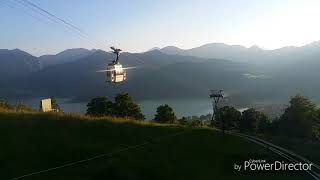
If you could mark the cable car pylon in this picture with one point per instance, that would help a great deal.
(216, 96)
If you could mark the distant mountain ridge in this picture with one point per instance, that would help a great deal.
(16, 63)
(66, 56)
(253, 54)
(157, 76)
(249, 74)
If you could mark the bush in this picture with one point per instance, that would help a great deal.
(264, 124)
(5, 105)
(300, 118)
(124, 106)
(196, 123)
(20, 107)
(231, 117)
(183, 121)
(165, 114)
(253, 121)
(55, 105)
(100, 106)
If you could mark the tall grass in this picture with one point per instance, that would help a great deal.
(19, 107)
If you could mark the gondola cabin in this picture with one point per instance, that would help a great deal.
(116, 73)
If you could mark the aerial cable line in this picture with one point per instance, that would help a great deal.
(60, 21)
(67, 24)
(50, 18)
(12, 4)
(37, 9)
(56, 17)
(52, 15)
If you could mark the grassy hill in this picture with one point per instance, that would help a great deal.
(36, 141)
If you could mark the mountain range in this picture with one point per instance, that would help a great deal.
(247, 74)
(66, 56)
(16, 63)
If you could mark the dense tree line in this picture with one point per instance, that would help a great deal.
(300, 119)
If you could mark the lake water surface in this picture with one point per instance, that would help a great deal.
(182, 107)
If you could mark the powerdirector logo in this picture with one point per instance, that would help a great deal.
(263, 165)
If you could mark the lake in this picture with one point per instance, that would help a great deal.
(182, 107)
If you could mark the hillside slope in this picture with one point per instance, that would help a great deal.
(37, 141)
(16, 63)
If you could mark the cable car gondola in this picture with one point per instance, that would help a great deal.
(116, 73)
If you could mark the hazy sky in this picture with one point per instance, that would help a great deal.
(138, 25)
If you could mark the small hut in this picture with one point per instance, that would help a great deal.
(45, 105)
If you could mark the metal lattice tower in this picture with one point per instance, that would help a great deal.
(216, 96)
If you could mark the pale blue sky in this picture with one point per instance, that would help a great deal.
(138, 25)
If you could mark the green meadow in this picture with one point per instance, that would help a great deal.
(32, 141)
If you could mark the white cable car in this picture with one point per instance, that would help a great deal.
(115, 72)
